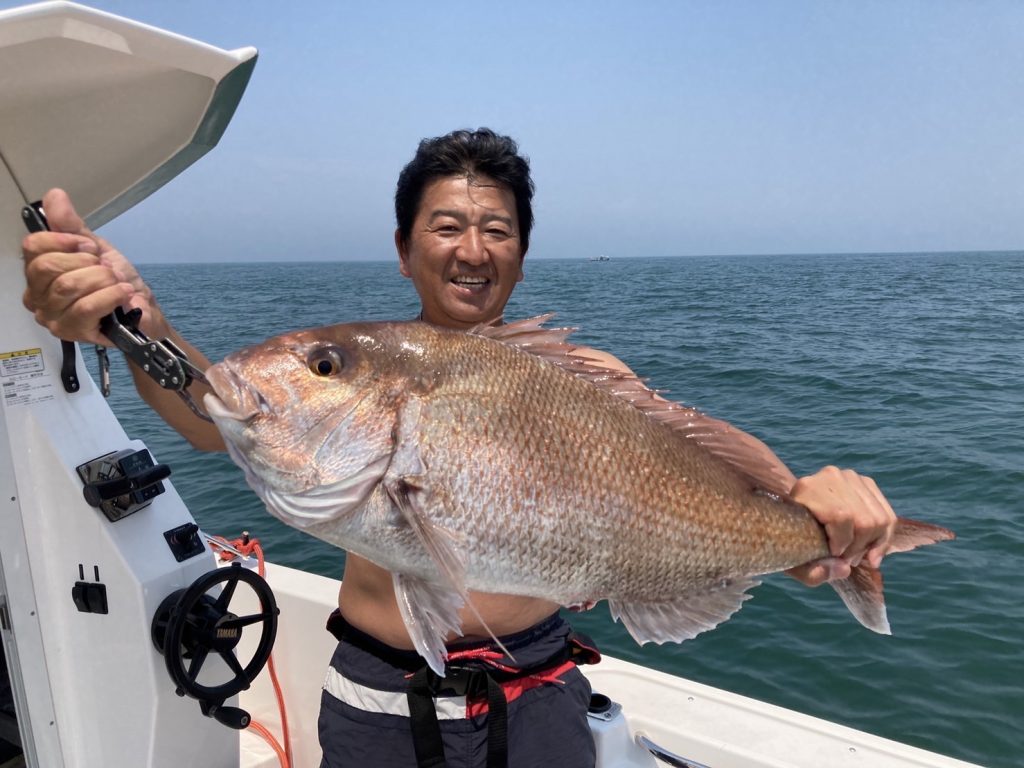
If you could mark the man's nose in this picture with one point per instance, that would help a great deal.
(472, 248)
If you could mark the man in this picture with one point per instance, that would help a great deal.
(464, 213)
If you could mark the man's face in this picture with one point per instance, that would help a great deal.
(463, 253)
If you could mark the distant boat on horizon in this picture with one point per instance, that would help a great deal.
(602, 257)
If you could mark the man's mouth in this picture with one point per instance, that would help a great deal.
(471, 282)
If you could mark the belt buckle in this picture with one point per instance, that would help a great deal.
(460, 680)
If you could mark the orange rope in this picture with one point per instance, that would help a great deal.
(249, 547)
(269, 738)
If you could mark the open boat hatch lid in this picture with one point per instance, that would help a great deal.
(106, 108)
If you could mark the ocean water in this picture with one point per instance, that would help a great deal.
(904, 367)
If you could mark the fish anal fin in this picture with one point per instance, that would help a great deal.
(863, 595)
(431, 612)
(685, 617)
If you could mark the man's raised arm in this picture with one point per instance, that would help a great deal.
(74, 278)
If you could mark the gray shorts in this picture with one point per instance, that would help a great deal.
(364, 714)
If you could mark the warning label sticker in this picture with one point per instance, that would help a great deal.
(22, 361)
(23, 378)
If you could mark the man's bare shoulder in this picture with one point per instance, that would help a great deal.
(602, 359)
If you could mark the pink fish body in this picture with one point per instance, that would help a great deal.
(499, 461)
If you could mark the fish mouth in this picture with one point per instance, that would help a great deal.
(232, 399)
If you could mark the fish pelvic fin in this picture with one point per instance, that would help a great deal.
(683, 618)
(744, 452)
(444, 547)
(431, 612)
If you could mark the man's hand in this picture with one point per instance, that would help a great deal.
(858, 520)
(74, 277)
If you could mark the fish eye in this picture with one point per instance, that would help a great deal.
(326, 361)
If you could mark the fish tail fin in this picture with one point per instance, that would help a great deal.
(862, 590)
(910, 534)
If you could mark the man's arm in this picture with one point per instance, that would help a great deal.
(857, 518)
(74, 278)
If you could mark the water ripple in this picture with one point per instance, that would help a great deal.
(906, 367)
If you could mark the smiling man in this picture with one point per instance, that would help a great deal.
(464, 211)
(464, 214)
(459, 237)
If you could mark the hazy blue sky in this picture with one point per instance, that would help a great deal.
(660, 128)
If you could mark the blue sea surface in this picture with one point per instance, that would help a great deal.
(904, 367)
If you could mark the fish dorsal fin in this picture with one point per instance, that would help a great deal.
(744, 452)
(531, 335)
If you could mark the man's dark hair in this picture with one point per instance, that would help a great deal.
(466, 153)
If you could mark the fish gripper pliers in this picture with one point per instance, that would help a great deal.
(161, 360)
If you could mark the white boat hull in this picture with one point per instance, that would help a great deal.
(704, 724)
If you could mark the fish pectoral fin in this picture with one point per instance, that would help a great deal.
(409, 494)
(443, 546)
(685, 617)
(431, 613)
(407, 482)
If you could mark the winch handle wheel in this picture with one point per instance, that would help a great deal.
(190, 624)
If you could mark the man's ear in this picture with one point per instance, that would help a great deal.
(403, 255)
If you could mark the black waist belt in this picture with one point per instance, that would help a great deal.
(458, 681)
(470, 678)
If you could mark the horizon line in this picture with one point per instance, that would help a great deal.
(378, 260)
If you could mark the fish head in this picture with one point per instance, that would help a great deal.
(310, 417)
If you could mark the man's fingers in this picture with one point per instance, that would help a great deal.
(875, 554)
(55, 281)
(69, 292)
(40, 244)
(811, 575)
(72, 287)
(80, 321)
(840, 536)
(61, 214)
(820, 571)
(876, 521)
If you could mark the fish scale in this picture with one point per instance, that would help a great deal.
(500, 460)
